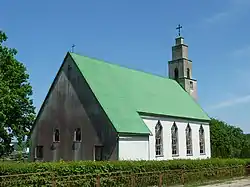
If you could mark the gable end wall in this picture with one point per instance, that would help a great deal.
(71, 104)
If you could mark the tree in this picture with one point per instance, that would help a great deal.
(17, 112)
(228, 141)
(220, 145)
(246, 147)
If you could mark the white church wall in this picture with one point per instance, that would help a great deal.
(167, 141)
(133, 148)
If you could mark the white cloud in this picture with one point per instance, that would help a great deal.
(235, 8)
(217, 17)
(232, 102)
(243, 52)
(240, 2)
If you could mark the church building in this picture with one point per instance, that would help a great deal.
(96, 110)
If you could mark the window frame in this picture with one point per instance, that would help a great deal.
(99, 147)
(36, 152)
(174, 136)
(176, 74)
(188, 73)
(54, 135)
(75, 135)
(191, 83)
(158, 140)
(189, 141)
(202, 151)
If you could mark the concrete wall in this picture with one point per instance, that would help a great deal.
(167, 142)
(175, 64)
(191, 91)
(179, 51)
(133, 148)
(181, 65)
(181, 62)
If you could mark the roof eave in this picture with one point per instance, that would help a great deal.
(133, 134)
(147, 114)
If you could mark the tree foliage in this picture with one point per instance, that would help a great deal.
(16, 108)
(246, 147)
(228, 141)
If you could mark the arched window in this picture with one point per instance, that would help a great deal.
(176, 74)
(158, 140)
(174, 134)
(56, 135)
(202, 140)
(188, 73)
(77, 135)
(189, 140)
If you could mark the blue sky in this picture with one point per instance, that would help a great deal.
(139, 34)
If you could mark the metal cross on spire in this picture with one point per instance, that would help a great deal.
(179, 29)
(72, 48)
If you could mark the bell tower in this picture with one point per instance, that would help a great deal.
(180, 67)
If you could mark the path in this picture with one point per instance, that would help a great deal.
(236, 183)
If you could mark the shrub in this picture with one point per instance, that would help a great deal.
(119, 173)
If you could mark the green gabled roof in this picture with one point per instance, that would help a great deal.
(124, 92)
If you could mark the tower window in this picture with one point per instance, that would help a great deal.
(176, 74)
(188, 73)
(77, 135)
(191, 85)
